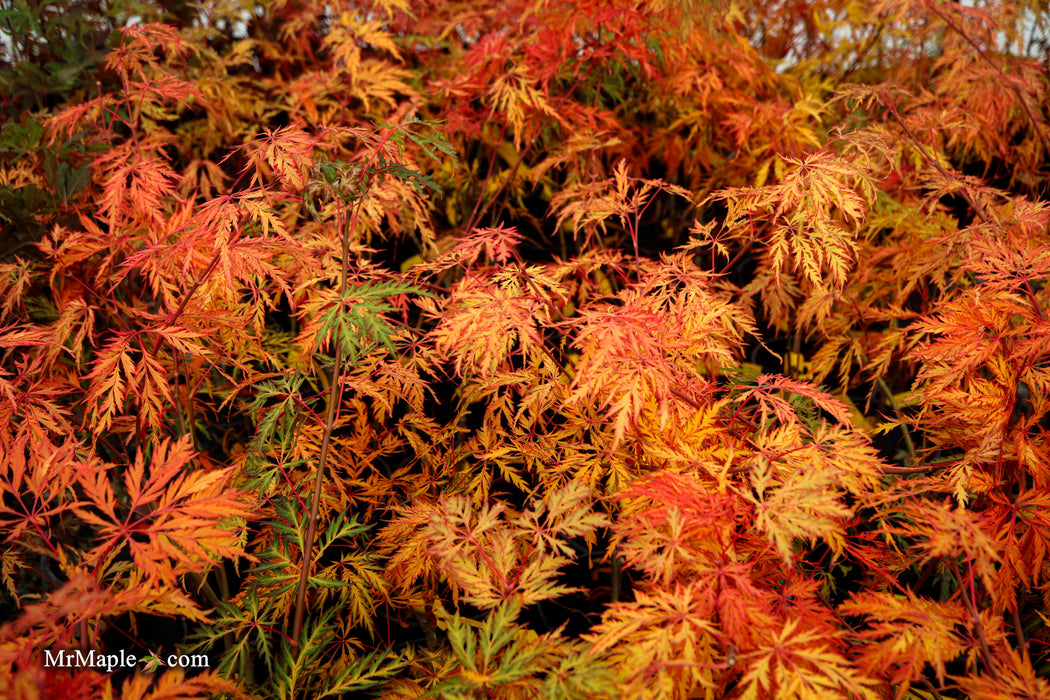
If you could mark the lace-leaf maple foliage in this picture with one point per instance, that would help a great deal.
(528, 349)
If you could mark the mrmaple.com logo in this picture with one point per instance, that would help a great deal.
(65, 658)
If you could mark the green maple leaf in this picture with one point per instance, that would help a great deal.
(152, 661)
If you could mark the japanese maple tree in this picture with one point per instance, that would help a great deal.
(529, 349)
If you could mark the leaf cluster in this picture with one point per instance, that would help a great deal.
(566, 350)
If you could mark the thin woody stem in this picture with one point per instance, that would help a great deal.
(326, 440)
(987, 59)
(334, 399)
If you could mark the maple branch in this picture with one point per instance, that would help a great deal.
(509, 586)
(740, 253)
(987, 59)
(881, 383)
(975, 618)
(36, 526)
(514, 169)
(1015, 622)
(127, 90)
(311, 528)
(334, 392)
(931, 688)
(1036, 306)
(189, 295)
(912, 470)
(179, 421)
(488, 172)
(863, 53)
(469, 536)
(930, 160)
(615, 576)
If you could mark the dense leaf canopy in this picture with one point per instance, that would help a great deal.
(584, 349)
